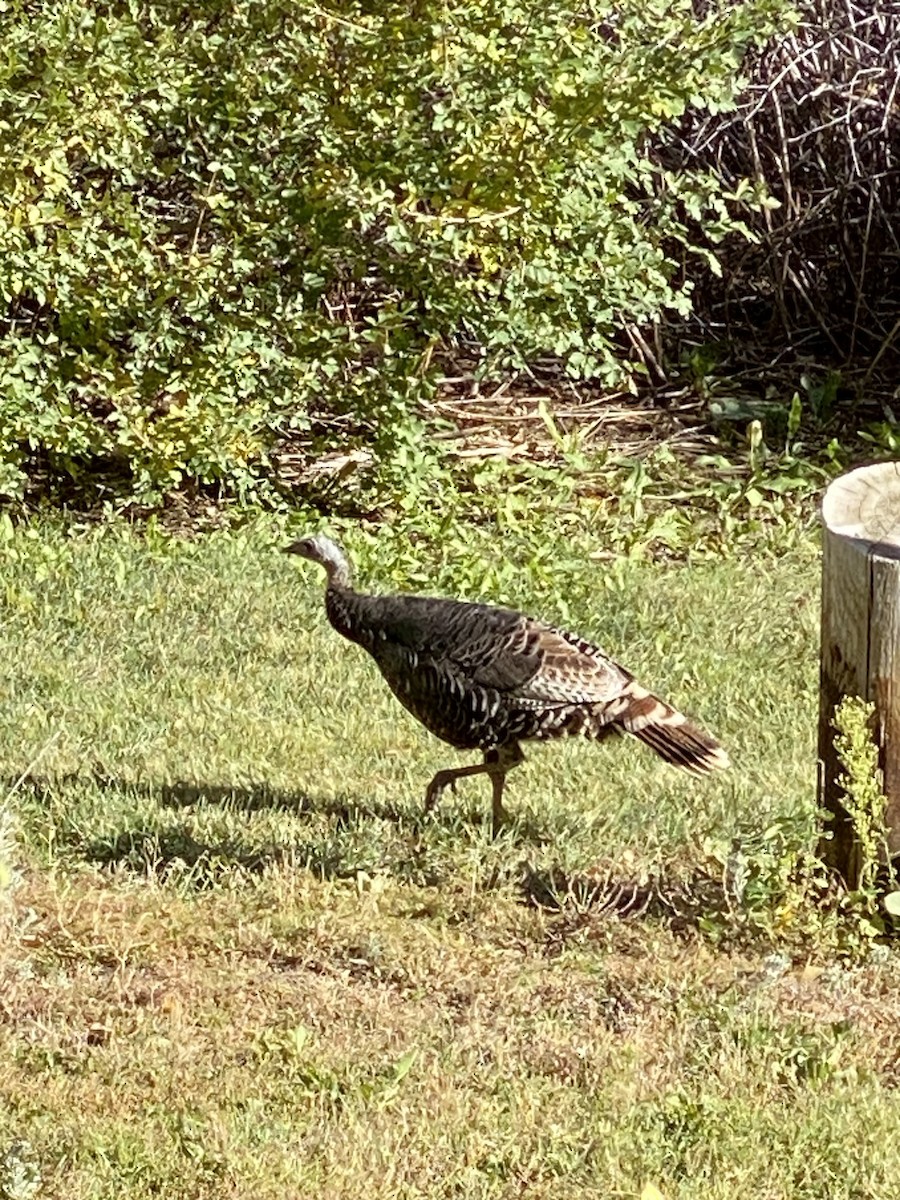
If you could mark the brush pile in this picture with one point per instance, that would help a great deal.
(819, 124)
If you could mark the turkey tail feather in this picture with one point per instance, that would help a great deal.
(669, 733)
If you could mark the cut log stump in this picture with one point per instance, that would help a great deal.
(860, 648)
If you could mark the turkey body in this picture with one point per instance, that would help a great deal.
(477, 676)
(486, 678)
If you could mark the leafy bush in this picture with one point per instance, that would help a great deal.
(225, 225)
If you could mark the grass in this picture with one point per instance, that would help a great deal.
(238, 961)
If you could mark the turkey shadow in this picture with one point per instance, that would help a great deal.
(150, 845)
(264, 798)
(260, 797)
(238, 797)
(161, 845)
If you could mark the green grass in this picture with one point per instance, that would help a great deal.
(238, 961)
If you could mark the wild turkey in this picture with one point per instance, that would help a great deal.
(486, 678)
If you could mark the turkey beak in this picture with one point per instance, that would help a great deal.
(293, 548)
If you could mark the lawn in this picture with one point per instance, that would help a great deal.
(238, 961)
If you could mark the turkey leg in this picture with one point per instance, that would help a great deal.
(497, 763)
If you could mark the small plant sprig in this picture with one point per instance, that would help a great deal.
(781, 888)
(866, 805)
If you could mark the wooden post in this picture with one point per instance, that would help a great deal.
(860, 650)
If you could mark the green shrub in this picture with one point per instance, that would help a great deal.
(227, 224)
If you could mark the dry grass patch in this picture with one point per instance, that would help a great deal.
(294, 1035)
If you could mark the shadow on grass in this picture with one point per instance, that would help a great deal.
(238, 798)
(167, 848)
(202, 854)
(347, 810)
(263, 798)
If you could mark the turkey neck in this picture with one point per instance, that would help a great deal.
(346, 611)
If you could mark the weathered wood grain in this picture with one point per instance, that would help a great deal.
(860, 639)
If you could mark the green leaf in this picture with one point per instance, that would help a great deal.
(403, 1065)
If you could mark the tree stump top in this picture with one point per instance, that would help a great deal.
(864, 505)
